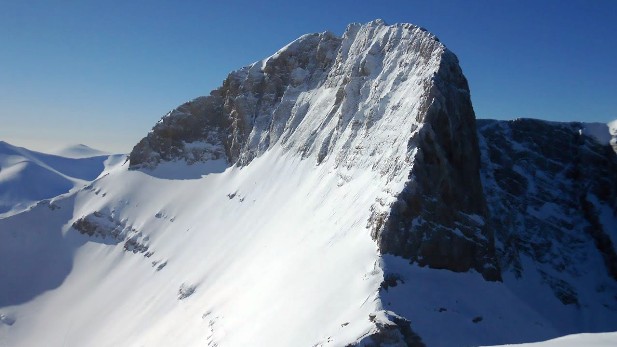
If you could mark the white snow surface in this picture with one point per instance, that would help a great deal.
(612, 126)
(577, 340)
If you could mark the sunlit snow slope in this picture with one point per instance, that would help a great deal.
(275, 253)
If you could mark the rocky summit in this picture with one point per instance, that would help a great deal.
(337, 193)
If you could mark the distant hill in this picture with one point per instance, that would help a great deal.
(79, 151)
(27, 177)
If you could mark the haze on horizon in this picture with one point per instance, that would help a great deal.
(103, 73)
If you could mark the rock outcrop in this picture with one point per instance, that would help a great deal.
(248, 113)
(390, 330)
(106, 228)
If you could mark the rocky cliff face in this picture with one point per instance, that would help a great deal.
(440, 218)
(553, 201)
(248, 113)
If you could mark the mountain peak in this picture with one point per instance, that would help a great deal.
(262, 104)
(390, 99)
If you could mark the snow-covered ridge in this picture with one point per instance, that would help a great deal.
(318, 96)
(27, 177)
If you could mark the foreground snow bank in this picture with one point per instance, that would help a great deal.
(577, 340)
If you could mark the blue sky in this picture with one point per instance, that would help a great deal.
(103, 72)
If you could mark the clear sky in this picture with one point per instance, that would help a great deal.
(103, 72)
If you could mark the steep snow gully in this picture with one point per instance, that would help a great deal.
(336, 193)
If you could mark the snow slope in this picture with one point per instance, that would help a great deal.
(27, 176)
(276, 254)
(577, 340)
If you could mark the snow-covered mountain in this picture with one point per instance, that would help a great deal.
(27, 177)
(336, 193)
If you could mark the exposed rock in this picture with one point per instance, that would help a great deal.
(186, 290)
(107, 229)
(391, 280)
(552, 198)
(390, 330)
(159, 265)
(7, 319)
